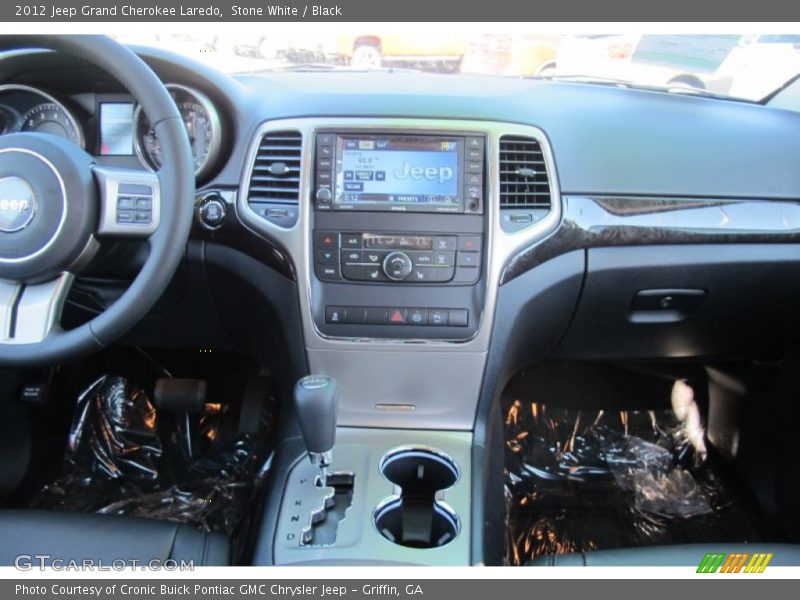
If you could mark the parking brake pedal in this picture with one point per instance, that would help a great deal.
(185, 398)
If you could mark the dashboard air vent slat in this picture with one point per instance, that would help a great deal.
(276, 172)
(524, 181)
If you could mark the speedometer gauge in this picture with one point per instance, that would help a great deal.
(6, 119)
(51, 118)
(202, 126)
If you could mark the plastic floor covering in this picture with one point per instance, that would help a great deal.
(585, 480)
(125, 457)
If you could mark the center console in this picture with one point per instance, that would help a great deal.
(395, 232)
(398, 239)
(396, 236)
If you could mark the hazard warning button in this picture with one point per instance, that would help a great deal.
(397, 316)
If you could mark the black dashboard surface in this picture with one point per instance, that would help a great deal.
(606, 140)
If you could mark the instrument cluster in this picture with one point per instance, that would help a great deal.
(113, 125)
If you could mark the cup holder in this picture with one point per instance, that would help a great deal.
(416, 518)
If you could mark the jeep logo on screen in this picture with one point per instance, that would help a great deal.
(17, 204)
(440, 174)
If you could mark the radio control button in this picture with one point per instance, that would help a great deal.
(325, 139)
(351, 240)
(474, 179)
(474, 167)
(324, 164)
(323, 177)
(475, 155)
(475, 143)
(326, 239)
(324, 195)
(324, 151)
(397, 266)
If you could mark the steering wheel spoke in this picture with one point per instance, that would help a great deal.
(130, 202)
(29, 313)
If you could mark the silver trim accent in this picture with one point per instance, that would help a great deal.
(407, 449)
(28, 313)
(63, 220)
(50, 99)
(501, 246)
(109, 180)
(358, 451)
(395, 407)
(208, 198)
(322, 460)
(213, 119)
(440, 506)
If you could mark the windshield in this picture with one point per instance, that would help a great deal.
(748, 66)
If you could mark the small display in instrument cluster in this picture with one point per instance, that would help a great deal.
(116, 129)
(401, 242)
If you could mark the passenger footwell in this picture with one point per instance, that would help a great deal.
(579, 480)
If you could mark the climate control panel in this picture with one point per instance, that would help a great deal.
(397, 258)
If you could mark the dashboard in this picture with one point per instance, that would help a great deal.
(431, 234)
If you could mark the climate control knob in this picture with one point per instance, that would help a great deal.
(397, 266)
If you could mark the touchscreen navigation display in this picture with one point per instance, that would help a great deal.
(402, 173)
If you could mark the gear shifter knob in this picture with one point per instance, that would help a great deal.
(316, 398)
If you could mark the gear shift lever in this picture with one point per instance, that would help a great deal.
(316, 398)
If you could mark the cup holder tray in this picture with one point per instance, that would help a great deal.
(417, 516)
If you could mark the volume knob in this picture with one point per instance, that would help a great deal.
(324, 196)
(397, 266)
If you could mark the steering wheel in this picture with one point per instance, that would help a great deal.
(57, 204)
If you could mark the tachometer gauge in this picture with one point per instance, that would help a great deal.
(54, 119)
(6, 120)
(202, 126)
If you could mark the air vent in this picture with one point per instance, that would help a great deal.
(276, 172)
(523, 175)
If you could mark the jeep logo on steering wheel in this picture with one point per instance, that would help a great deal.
(17, 204)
